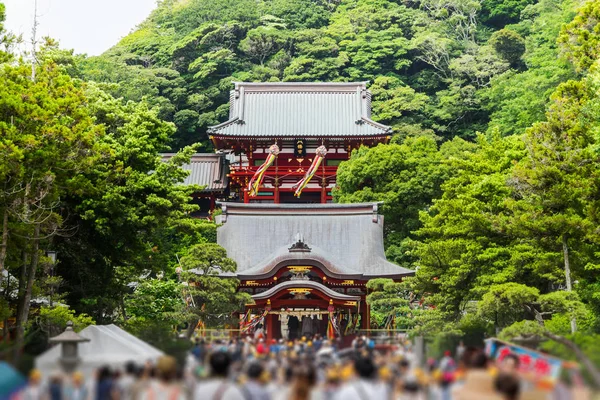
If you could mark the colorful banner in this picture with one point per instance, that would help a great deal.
(319, 156)
(539, 366)
(259, 319)
(258, 177)
(348, 329)
(244, 320)
(334, 326)
(330, 330)
(200, 330)
(356, 323)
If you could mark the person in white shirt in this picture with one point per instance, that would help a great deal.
(218, 386)
(76, 390)
(165, 387)
(366, 387)
(127, 381)
(33, 390)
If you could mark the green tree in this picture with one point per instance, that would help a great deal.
(393, 302)
(212, 285)
(156, 299)
(130, 197)
(505, 303)
(515, 100)
(47, 139)
(7, 39)
(406, 177)
(580, 39)
(462, 248)
(262, 42)
(509, 45)
(498, 13)
(397, 306)
(555, 182)
(53, 320)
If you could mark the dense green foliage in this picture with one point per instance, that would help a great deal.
(82, 175)
(447, 67)
(508, 234)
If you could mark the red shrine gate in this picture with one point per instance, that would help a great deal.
(298, 118)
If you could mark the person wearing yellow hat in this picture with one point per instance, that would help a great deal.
(366, 386)
(33, 390)
(75, 389)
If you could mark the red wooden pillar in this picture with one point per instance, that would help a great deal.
(276, 200)
(246, 196)
(212, 203)
(365, 315)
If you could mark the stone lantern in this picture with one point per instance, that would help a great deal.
(69, 341)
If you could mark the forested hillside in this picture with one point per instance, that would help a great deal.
(502, 229)
(448, 67)
(490, 183)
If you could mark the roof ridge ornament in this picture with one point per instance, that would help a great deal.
(299, 246)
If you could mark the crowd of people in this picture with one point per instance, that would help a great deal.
(311, 369)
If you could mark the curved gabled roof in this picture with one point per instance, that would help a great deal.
(304, 284)
(269, 265)
(347, 239)
(300, 109)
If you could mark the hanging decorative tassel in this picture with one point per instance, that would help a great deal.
(355, 323)
(320, 155)
(257, 179)
(245, 320)
(348, 329)
(330, 329)
(259, 319)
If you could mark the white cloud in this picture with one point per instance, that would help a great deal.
(88, 26)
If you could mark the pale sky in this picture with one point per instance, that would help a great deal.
(88, 26)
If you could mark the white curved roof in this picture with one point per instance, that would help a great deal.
(346, 238)
(304, 284)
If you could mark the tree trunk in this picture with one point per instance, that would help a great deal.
(6, 330)
(22, 277)
(123, 310)
(191, 328)
(5, 333)
(568, 275)
(4, 244)
(25, 297)
(589, 365)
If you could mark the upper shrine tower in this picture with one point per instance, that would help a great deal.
(289, 138)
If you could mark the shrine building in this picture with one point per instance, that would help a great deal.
(304, 260)
(307, 261)
(210, 171)
(297, 118)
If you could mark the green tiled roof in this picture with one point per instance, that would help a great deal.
(294, 110)
(206, 169)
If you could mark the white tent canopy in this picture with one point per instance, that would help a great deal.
(108, 345)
